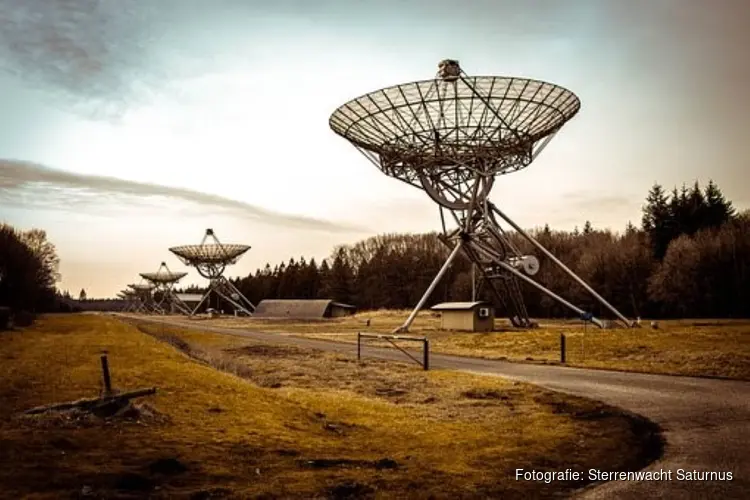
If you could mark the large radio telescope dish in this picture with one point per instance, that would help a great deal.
(143, 297)
(211, 259)
(164, 280)
(141, 287)
(453, 136)
(163, 275)
(439, 134)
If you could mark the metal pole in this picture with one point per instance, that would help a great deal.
(105, 374)
(562, 266)
(473, 282)
(426, 353)
(562, 348)
(430, 289)
(552, 294)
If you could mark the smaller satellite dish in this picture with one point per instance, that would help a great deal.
(526, 263)
(530, 265)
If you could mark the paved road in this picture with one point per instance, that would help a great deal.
(706, 422)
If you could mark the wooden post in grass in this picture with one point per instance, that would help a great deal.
(562, 348)
(105, 374)
(359, 346)
(426, 354)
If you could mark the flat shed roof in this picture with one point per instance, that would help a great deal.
(458, 306)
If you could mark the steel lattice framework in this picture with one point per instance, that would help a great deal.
(211, 259)
(164, 281)
(131, 302)
(143, 298)
(452, 136)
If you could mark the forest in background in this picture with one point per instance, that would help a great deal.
(690, 257)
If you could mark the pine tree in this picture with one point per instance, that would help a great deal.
(657, 220)
(718, 209)
(696, 210)
(341, 278)
(324, 289)
(679, 212)
(587, 228)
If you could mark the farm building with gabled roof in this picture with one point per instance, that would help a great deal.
(302, 309)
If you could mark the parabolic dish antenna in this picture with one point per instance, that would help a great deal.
(142, 287)
(163, 275)
(211, 259)
(128, 295)
(452, 136)
(143, 298)
(163, 281)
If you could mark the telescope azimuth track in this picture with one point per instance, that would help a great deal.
(211, 260)
(451, 137)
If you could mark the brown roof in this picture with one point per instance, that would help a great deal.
(292, 308)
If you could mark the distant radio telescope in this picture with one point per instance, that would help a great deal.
(211, 259)
(164, 281)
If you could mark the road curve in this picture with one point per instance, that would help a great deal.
(706, 422)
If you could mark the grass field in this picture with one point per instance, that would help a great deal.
(682, 347)
(283, 423)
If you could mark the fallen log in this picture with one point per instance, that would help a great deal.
(90, 404)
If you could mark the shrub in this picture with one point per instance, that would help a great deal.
(23, 319)
(4, 318)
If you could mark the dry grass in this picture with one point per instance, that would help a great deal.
(719, 348)
(323, 427)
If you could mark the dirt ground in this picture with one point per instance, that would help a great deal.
(232, 419)
(716, 348)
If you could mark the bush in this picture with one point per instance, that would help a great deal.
(4, 318)
(23, 319)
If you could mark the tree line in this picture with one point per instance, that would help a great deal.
(689, 257)
(28, 273)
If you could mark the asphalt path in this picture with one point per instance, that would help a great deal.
(706, 422)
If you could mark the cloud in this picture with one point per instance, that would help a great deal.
(28, 184)
(80, 49)
(100, 58)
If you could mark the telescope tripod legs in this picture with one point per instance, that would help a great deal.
(226, 290)
(508, 293)
(430, 289)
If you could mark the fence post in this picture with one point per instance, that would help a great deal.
(105, 374)
(583, 343)
(562, 348)
(426, 354)
(359, 346)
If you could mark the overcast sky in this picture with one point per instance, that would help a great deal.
(130, 126)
